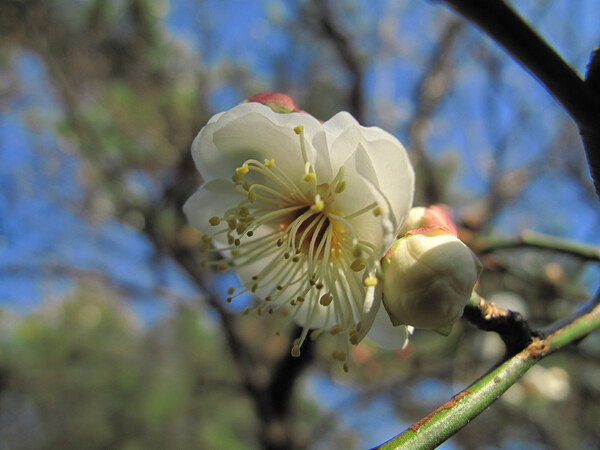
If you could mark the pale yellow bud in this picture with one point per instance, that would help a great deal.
(429, 276)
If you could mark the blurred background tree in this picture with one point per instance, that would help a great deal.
(112, 334)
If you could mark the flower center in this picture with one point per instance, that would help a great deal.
(296, 245)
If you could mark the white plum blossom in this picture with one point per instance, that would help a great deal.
(303, 211)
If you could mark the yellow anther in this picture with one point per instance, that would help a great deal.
(314, 334)
(243, 170)
(377, 211)
(326, 299)
(353, 337)
(298, 129)
(371, 281)
(310, 176)
(336, 329)
(241, 228)
(259, 311)
(214, 221)
(252, 196)
(340, 187)
(243, 211)
(357, 265)
(246, 185)
(206, 239)
(295, 351)
(285, 312)
(222, 267)
(339, 355)
(236, 178)
(319, 204)
(232, 223)
(356, 251)
(269, 163)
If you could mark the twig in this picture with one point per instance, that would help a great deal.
(513, 329)
(581, 99)
(531, 239)
(347, 53)
(429, 95)
(446, 420)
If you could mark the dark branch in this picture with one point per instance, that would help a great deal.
(581, 99)
(513, 329)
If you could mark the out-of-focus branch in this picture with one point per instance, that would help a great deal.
(428, 96)
(581, 99)
(531, 239)
(347, 53)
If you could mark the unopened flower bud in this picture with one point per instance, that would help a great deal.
(435, 215)
(280, 103)
(429, 276)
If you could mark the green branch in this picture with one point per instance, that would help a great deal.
(438, 426)
(531, 239)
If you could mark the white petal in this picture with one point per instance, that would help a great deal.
(384, 334)
(254, 131)
(212, 199)
(389, 169)
(359, 193)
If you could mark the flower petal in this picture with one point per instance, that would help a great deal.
(389, 169)
(254, 131)
(387, 336)
(208, 202)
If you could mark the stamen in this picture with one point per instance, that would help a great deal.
(357, 265)
(243, 170)
(363, 210)
(299, 130)
(371, 281)
(326, 299)
(319, 204)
